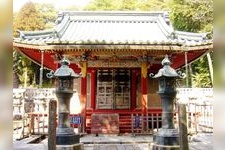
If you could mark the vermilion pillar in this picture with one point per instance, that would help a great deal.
(83, 98)
(93, 87)
(134, 89)
(144, 96)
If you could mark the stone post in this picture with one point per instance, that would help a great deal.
(52, 125)
(182, 113)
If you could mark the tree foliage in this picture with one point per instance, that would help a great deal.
(154, 5)
(28, 19)
(31, 17)
(24, 70)
(192, 15)
(125, 5)
(47, 13)
(195, 16)
(201, 76)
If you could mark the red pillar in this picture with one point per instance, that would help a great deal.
(93, 87)
(144, 96)
(133, 89)
(83, 97)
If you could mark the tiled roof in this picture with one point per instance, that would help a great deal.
(125, 28)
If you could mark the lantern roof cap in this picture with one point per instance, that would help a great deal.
(65, 71)
(166, 71)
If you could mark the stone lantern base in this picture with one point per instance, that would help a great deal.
(67, 139)
(166, 139)
(66, 136)
(165, 147)
(78, 146)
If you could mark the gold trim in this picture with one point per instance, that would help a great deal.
(144, 69)
(83, 66)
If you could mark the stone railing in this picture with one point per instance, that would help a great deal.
(195, 95)
(31, 100)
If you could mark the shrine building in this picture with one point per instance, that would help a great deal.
(115, 52)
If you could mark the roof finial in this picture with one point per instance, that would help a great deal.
(65, 61)
(166, 61)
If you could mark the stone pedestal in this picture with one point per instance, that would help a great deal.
(166, 139)
(78, 146)
(67, 139)
(165, 147)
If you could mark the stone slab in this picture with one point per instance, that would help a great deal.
(165, 147)
(78, 146)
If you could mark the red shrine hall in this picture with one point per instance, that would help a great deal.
(115, 52)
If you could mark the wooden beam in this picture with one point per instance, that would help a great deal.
(80, 47)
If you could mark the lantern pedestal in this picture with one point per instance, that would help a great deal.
(65, 135)
(166, 139)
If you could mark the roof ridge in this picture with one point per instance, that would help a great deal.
(35, 34)
(114, 13)
(191, 35)
(62, 25)
(165, 28)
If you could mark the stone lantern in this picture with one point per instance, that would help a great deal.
(65, 135)
(167, 137)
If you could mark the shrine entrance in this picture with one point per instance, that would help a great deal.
(113, 89)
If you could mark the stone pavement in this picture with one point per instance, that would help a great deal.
(201, 141)
(112, 142)
(127, 142)
(25, 145)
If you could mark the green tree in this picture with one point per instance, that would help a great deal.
(195, 16)
(103, 5)
(145, 5)
(201, 76)
(192, 15)
(73, 8)
(154, 5)
(24, 70)
(48, 13)
(114, 5)
(27, 19)
(129, 5)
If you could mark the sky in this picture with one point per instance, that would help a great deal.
(17, 4)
